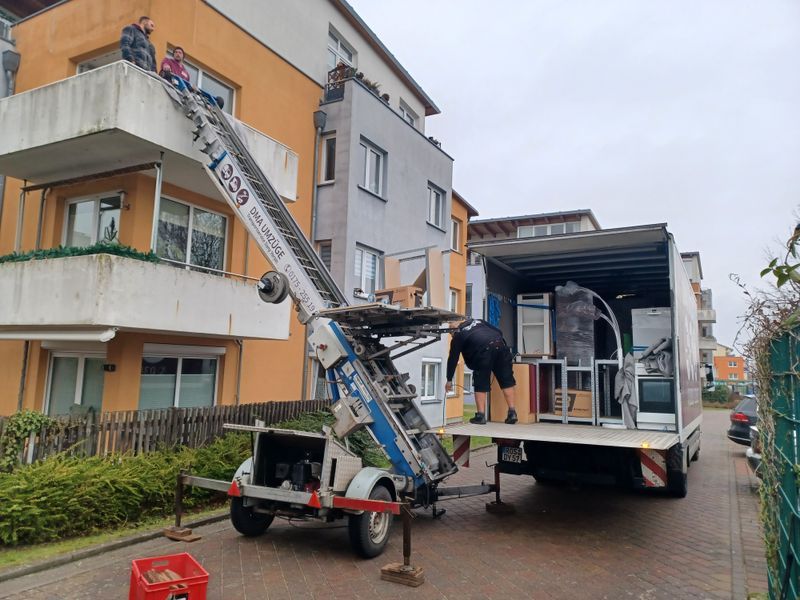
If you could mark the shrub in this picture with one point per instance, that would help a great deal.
(68, 496)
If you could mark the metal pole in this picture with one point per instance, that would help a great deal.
(179, 499)
(406, 512)
(157, 202)
(20, 220)
(497, 483)
(41, 218)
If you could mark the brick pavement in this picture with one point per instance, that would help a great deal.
(561, 543)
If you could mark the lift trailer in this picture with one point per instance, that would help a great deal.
(314, 476)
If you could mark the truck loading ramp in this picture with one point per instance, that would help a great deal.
(569, 434)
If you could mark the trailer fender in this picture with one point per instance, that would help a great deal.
(244, 469)
(365, 481)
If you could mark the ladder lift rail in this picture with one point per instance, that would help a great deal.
(373, 393)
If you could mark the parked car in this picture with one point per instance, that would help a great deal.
(743, 417)
(754, 451)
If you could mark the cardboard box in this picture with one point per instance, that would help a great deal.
(579, 402)
(407, 296)
(525, 396)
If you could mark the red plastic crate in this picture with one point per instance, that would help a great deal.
(193, 577)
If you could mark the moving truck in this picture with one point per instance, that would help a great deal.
(604, 328)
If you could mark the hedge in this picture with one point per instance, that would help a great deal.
(68, 496)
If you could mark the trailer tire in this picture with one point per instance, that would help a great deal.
(246, 521)
(370, 531)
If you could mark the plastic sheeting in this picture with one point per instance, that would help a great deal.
(575, 317)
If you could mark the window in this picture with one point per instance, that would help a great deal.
(467, 383)
(190, 235)
(372, 160)
(99, 61)
(468, 300)
(211, 84)
(409, 116)
(338, 51)
(551, 229)
(733, 376)
(178, 381)
(324, 251)
(435, 206)
(327, 171)
(430, 379)
(455, 235)
(366, 269)
(92, 220)
(453, 301)
(732, 363)
(75, 384)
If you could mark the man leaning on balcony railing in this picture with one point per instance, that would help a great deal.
(136, 46)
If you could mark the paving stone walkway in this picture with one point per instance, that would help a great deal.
(561, 543)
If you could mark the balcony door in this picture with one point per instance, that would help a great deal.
(75, 384)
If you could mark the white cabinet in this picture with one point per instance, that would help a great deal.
(534, 324)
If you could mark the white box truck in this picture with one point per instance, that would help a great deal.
(623, 343)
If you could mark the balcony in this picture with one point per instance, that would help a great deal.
(707, 315)
(116, 117)
(708, 343)
(88, 297)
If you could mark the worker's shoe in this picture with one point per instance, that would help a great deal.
(511, 418)
(478, 419)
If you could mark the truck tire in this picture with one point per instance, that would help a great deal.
(246, 521)
(677, 483)
(370, 531)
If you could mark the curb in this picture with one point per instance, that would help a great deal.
(102, 548)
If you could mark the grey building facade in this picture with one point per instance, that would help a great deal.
(384, 189)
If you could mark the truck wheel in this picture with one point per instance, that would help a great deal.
(246, 521)
(677, 484)
(369, 531)
(696, 455)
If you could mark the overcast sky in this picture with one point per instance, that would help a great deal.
(684, 112)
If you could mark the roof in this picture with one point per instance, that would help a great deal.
(471, 210)
(608, 261)
(508, 225)
(23, 9)
(356, 21)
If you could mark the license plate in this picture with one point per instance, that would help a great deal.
(509, 454)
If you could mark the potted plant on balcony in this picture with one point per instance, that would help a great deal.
(385, 98)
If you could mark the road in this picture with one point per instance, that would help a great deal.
(560, 543)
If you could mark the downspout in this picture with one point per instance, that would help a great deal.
(20, 219)
(240, 343)
(23, 376)
(320, 117)
(10, 67)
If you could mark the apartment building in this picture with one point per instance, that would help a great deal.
(706, 315)
(103, 154)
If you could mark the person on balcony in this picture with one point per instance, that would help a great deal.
(485, 352)
(136, 46)
(173, 65)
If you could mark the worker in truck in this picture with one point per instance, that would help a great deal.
(485, 352)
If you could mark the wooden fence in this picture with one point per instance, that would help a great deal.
(146, 430)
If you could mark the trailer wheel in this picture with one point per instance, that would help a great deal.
(370, 531)
(246, 521)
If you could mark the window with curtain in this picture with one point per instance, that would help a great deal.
(76, 384)
(191, 235)
(92, 220)
(177, 381)
(366, 269)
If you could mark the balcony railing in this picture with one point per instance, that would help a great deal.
(338, 76)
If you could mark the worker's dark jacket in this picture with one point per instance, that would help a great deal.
(470, 339)
(136, 47)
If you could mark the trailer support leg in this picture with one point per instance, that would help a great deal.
(404, 573)
(176, 532)
(498, 507)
